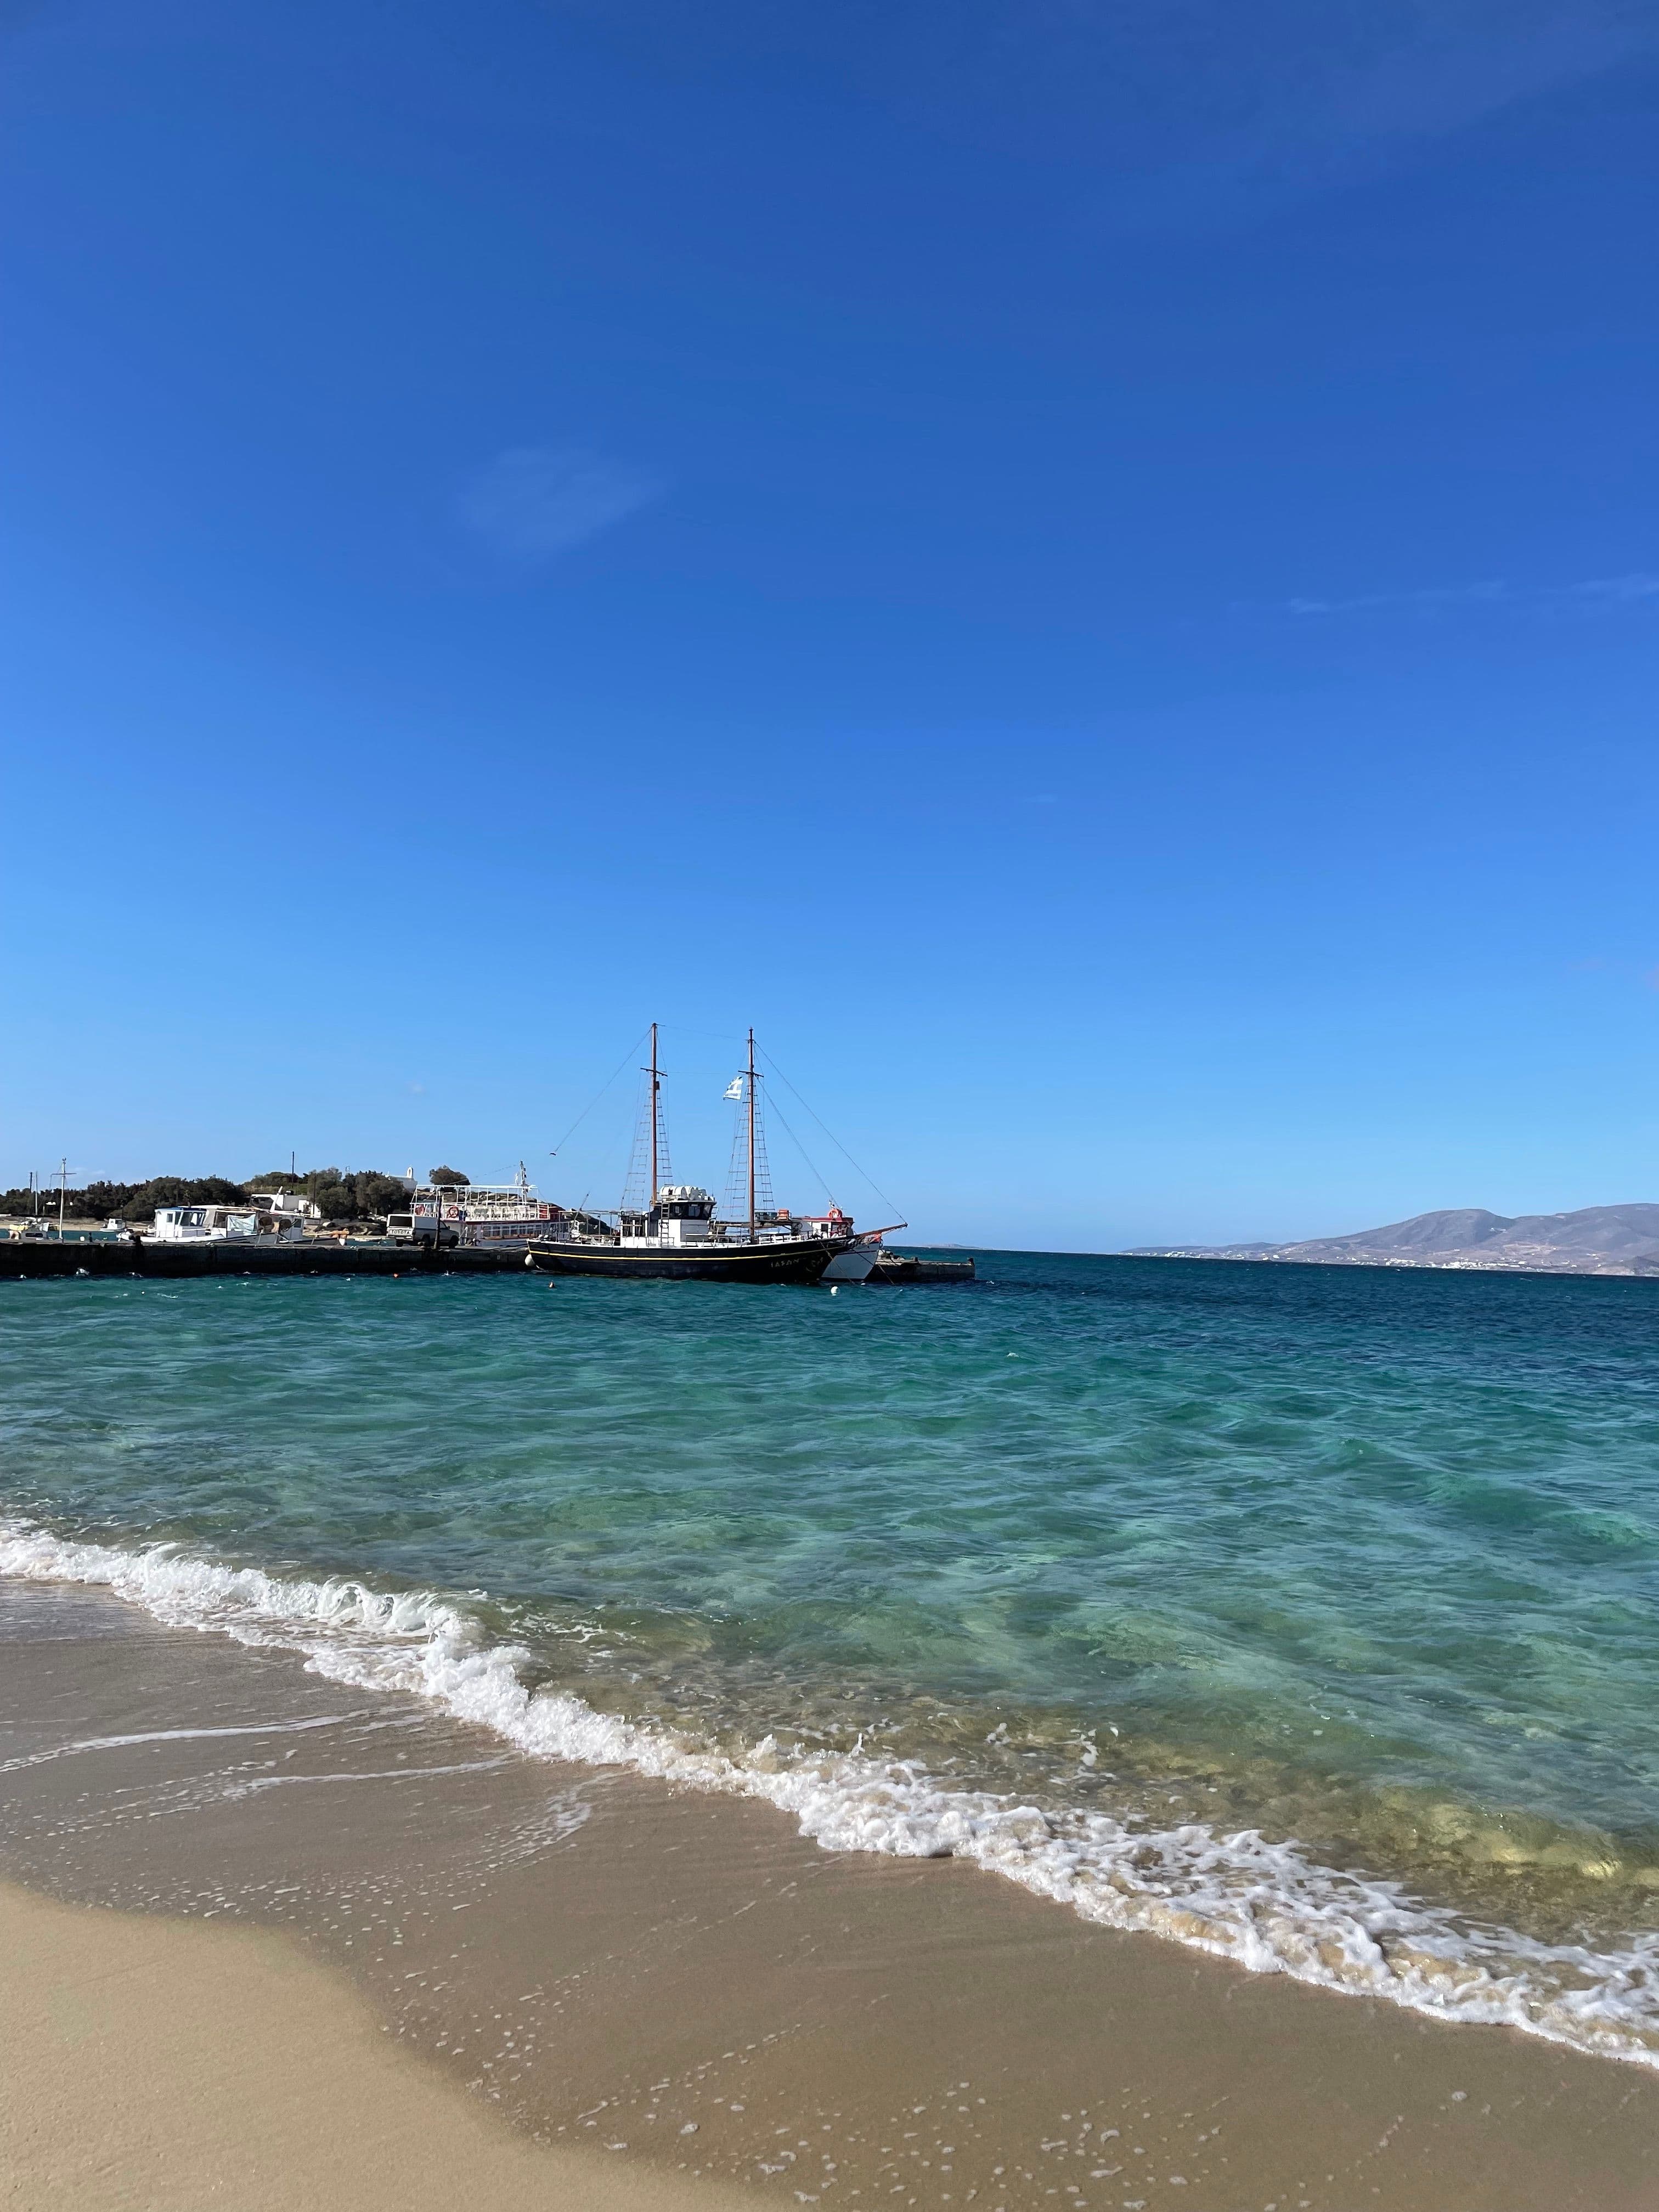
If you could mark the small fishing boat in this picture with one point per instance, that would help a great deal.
(675, 1231)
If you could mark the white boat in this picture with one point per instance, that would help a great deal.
(203, 1224)
(498, 1216)
(270, 1215)
(855, 1264)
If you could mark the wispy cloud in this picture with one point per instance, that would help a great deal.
(1185, 109)
(1281, 103)
(1638, 589)
(1381, 72)
(1615, 591)
(532, 502)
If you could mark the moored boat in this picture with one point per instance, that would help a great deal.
(674, 1232)
(501, 1216)
(783, 1259)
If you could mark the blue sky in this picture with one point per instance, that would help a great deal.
(1094, 571)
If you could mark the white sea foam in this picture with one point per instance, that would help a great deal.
(1267, 1906)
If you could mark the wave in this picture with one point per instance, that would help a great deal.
(1266, 1905)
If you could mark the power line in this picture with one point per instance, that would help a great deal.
(833, 1139)
(804, 1154)
(597, 1095)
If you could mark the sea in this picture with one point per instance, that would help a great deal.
(1308, 1617)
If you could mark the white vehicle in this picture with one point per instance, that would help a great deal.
(425, 1225)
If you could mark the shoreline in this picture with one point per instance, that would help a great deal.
(1392, 1267)
(1268, 1907)
(1385, 1264)
(601, 1958)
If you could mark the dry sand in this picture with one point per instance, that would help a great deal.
(151, 2064)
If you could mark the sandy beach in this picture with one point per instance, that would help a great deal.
(151, 2063)
(431, 1956)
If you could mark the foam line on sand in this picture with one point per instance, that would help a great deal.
(1265, 1905)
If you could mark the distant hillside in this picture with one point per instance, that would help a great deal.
(1597, 1240)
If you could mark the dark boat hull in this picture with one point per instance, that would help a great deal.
(801, 1260)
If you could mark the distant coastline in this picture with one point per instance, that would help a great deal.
(1596, 1239)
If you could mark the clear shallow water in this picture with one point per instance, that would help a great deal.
(1309, 1614)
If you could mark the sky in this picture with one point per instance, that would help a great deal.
(1091, 570)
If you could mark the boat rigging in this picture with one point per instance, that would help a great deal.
(676, 1231)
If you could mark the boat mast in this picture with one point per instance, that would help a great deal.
(751, 1136)
(651, 1199)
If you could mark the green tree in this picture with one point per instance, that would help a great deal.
(340, 1194)
(181, 1190)
(97, 1201)
(449, 1179)
(377, 1195)
(100, 1200)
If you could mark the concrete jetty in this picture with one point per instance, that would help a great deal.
(315, 1256)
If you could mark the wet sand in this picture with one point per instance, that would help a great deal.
(679, 1986)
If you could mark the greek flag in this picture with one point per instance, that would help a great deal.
(733, 1088)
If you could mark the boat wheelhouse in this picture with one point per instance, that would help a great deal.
(683, 1215)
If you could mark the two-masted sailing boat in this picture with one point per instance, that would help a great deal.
(675, 1231)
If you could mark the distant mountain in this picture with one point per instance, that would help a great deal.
(1597, 1240)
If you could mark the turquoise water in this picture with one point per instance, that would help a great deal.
(1366, 1561)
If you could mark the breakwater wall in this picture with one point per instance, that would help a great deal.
(315, 1256)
